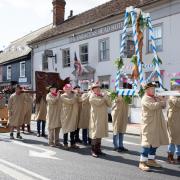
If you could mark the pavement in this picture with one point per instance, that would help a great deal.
(32, 159)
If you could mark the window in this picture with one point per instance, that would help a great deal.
(104, 81)
(9, 72)
(104, 49)
(22, 69)
(157, 30)
(129, 49)
(66, 57)
(154, 77)
(84, 53)
(44, 62)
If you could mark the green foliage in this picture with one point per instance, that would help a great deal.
(129, 21)
(143, 23)
(119, 63)
(113, 95)
(134, 59)
(154, 61)
(141, 92)
(127, 99)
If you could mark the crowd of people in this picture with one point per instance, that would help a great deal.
(71, 110)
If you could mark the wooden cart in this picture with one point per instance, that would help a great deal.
(4, 128)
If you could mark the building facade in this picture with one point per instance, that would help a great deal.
(95, 37)
(16, 61)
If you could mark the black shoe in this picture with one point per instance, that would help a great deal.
(11, 136)
(43, 135)
(38, 134)
(122, 149)
(78, 141)
(18, 136)
(102, 153)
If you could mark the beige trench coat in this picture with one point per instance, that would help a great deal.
(119, 115)
(79, 102)
(28, 108)
(174, 120)
(69, 112)
(98, 124)
(153, 127)
(41, 110)
(85, 111)
(16, 106)
(53, 111)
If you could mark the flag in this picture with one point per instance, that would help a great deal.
(77, 65)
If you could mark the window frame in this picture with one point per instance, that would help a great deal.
(84, 54)
(63, 59)
(105, 78)
(23, 62)
(9, 78)
(129, 33)
(148, 41)
(107, 50)
(45, 62)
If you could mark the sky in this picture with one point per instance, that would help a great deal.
(20, 17)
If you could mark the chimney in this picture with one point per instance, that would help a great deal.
(58, 11)
(71, 14)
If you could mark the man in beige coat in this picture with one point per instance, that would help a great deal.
(153, 127)
(27, 111)
(53, 116)
(174, 127)
(84, 117)
(77, 91)
(119, 121)
(98, 125)
(40, 114)
(69, 114)
(16, 111)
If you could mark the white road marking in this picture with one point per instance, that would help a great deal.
(125, 142)
(45, 154)
(12, 170)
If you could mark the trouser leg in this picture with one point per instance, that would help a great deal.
(144, 154)
(94, 149)
(77, 136)
(72, 138)
(38, 126)
(65, 139)
(120, 140)
(85, 134)
(171, 148)
(56, 132)
(43, 128)
(51, 137)
(152, 153)
(115, 141)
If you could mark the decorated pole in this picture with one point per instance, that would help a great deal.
(133, 16)
(154, 51)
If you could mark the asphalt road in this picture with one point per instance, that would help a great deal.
(32, 159)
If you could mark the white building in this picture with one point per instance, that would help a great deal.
(95, 36)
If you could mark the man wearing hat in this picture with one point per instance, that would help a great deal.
(174, 127)
(153, 127)
(119, 121)
(98, 125)
(77, 91)
(69, 114)
(84, 117)
(53, 115)
(16, 111)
